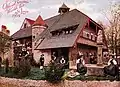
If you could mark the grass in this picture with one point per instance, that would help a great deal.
(37, 74)
(92, 78)
(34, 74)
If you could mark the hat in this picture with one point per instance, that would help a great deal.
(42, 54)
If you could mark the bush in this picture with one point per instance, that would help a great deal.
(36, 74)
(54, 72)
(22, 67)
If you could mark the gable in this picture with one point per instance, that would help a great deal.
(27, 23)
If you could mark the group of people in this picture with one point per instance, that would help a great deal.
(111, 69)
(53, 59)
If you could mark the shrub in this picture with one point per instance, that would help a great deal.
(54, 72)
(22, 67)
(36, 74)
(7, 66)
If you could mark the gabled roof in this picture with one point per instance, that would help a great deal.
(68, 19)
(30, 21)
(22, 33)
(39, 21)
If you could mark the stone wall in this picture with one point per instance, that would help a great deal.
(10, 82)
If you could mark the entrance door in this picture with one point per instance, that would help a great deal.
(62, 52)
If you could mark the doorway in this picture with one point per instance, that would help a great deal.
(62, 52)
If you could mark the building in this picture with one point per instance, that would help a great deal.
(65, 34)
(22, 38)
(5, 44)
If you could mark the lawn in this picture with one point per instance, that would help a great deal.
(34, 74)
(37, 74)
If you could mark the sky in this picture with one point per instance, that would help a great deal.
(13, 13)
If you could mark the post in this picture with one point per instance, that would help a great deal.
(99, 56)
(100, 46)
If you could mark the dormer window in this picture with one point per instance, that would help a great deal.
(25, 25)
(71, 31)
(87, 35)
(67, 32)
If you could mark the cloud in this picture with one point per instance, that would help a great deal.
(51, 6)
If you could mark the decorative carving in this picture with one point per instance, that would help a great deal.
(100, 37)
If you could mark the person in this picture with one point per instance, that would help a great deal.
(112, 60)
(81, 64)
(53, 57)
(62, 61)
(42, 61)
(112, 67)
(93, 59)
(24, 52)
(7, 65)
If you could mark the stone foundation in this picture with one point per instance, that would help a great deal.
(10, 82)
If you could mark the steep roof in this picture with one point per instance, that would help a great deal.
(66, 20)
(22, 33)
(39, 21)
(30, 21)
(64, 6)
(25, 32)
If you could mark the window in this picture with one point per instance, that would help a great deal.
(93, 38)
(66, 32)
(71, 31)
(25, 25)
(63, 32)
(33, 36)
(87, 35)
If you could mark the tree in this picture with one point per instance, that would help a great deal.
(4, 43)
(113, 29)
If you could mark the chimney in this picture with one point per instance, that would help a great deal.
(3, 28)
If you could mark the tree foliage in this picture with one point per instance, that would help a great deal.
(113, 29)
(4, 43)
